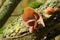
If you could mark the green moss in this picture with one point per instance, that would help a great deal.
(35, 4)
(1, 30)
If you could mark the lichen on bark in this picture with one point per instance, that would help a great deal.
(41, 32)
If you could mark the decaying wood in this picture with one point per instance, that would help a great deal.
(40, 33)
(50, 25)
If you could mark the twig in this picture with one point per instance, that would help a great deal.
(19, 36)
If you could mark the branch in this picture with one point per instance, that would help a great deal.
(7, 9)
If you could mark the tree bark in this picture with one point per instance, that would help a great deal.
(50, 25)
(23, 34)
(6, 10)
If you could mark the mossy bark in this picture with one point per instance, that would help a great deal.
(50, 23)
(6, 10)
(18, 30)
